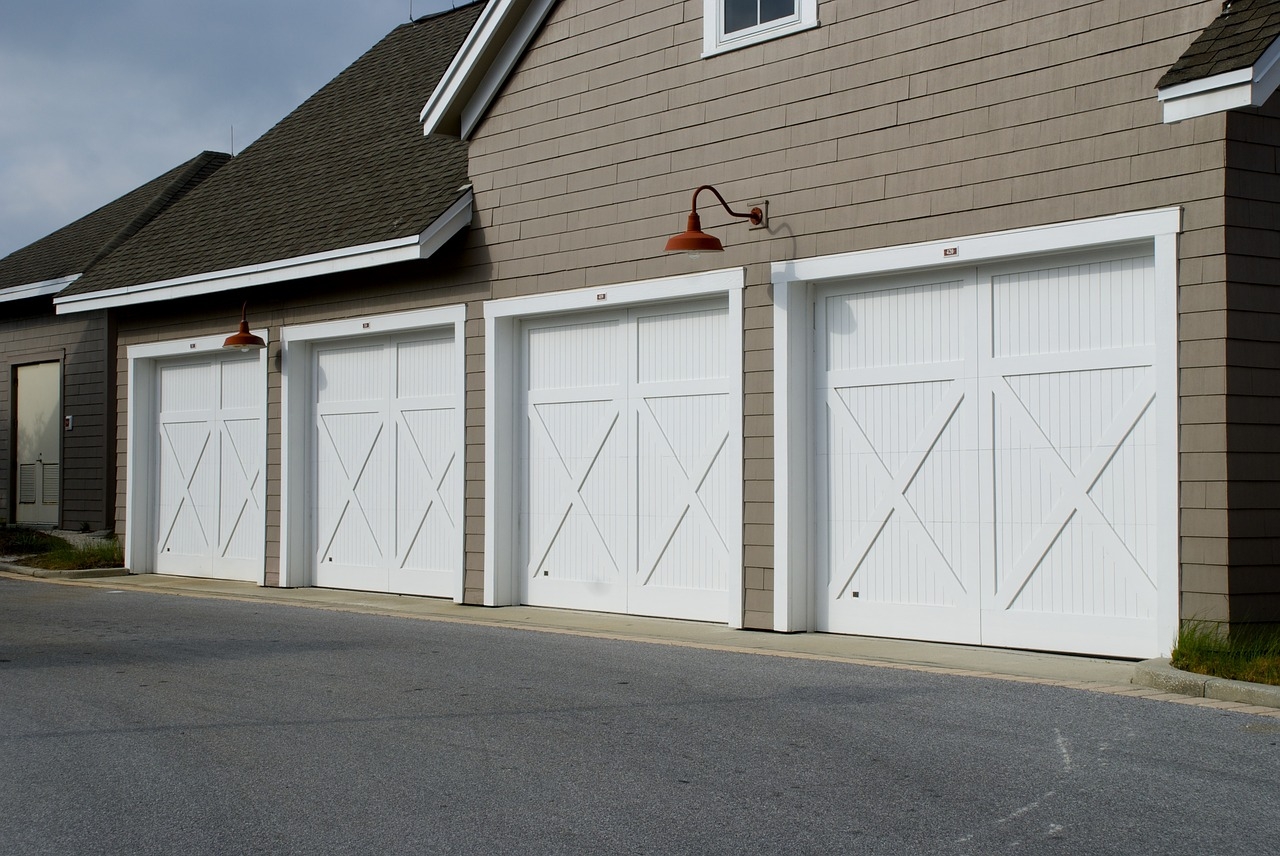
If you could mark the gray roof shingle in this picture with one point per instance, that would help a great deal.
(1236, 39)
(349, 167)
(76, 247)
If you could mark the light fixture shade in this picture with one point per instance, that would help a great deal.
(693, 240)
(243, 340)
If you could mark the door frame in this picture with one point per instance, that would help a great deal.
(502, 411)
(297, 343)
(795, 286)
(20, 361)
(142, 446)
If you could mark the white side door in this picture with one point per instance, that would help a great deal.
(211, 489)
(39, 443)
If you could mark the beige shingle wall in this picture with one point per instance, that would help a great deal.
(891, 123)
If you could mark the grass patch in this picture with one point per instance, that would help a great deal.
(108, 554)
(20, 541)
(1246, 654)
(42, 550)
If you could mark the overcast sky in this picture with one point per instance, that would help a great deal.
(99, 96)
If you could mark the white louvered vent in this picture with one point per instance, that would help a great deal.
(27, 484)
(51, 480)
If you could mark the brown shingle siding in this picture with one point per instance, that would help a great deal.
(905, 122)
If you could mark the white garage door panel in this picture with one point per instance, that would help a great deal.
(626, 504)
(899, 415)
(210, 469)
(987, 458)
(388, 482)
(1072, 383)
(576, 505)
(351, 450)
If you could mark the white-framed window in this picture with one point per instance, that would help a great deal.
(730, 24)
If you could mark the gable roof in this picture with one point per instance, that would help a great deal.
(51, 263)
(482, 65)
(1232, 63)
(345, 181)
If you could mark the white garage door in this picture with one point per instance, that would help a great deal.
(625, 501)
(986, 457)
(387, 498)
(211, 484)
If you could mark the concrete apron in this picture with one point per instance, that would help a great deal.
(1152, 679)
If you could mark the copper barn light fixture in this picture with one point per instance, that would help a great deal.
(694, 241)
(243, 340)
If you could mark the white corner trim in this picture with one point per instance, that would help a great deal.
(296, 342)
(37, 289)
(501, 401)
(141, 451)
(408, 248)
(1167, 501)
(1244, 87)
(793, 598)
(1055, 237)
(487, 57)
(794, 285)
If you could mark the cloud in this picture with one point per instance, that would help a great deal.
(101, 96)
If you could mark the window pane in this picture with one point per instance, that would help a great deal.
(772, 10)
(739, 15)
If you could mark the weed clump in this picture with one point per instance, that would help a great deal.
(1245, 653)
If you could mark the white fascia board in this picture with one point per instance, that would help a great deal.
(455, 218)
(1037, 240)
(464, 64)
(1244, 87)
(37, 289)
(333, 261)
(503, 64)
(487, 57)
(395, 250)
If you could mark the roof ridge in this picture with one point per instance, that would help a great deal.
(449, 11)
(196, 170)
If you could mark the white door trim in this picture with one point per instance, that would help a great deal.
(297, 343)
(794, 285)
(141, 447)
(502, 397)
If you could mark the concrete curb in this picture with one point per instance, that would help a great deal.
(88, 574)
(1158, 674)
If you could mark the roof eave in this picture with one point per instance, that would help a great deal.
(407, 248)
(482, 65)
(1244, 87)
(36, 289)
